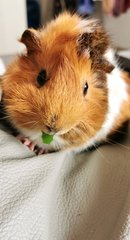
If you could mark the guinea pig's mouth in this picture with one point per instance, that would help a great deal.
(65, 131)
(60, 132)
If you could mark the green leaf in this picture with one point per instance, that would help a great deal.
(46, 138)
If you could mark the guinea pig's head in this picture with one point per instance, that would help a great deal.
(58, 86)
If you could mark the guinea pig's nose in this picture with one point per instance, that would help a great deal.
(51, 129)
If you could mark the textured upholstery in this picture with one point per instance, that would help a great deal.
(61, 196)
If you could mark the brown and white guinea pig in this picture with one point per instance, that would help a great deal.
(66, 84)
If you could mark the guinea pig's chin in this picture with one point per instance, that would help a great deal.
(36, 137)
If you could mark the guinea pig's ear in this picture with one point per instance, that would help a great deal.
(95, 41)
(31, 38)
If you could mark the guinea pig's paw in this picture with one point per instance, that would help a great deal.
(33, 147)
(23, 140)
(40, 151)
(26, 142)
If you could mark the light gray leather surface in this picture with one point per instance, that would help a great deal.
(61, 196)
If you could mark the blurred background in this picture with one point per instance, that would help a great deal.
(17, 15)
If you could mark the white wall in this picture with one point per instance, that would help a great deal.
(13, 22)
(119, 29)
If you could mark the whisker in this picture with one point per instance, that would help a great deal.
(30, 122)
(109, 141)
(101, 154)
(112, 142)
(5, 117)
(122, 132)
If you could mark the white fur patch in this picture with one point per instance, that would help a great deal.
(87, 26)
(109, 55)
(2, 67)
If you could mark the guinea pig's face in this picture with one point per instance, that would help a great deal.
(59, 86)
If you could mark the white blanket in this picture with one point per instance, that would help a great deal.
(64, 197)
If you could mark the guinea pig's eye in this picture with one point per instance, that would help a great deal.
(42, 77)
(85, 89)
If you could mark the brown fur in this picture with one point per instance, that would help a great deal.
(60, 103)
(97, 42)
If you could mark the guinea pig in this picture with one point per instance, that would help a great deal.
(66, 84)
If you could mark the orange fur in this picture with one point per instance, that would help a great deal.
(60, 103)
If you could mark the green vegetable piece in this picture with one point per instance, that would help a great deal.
(46, 138)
